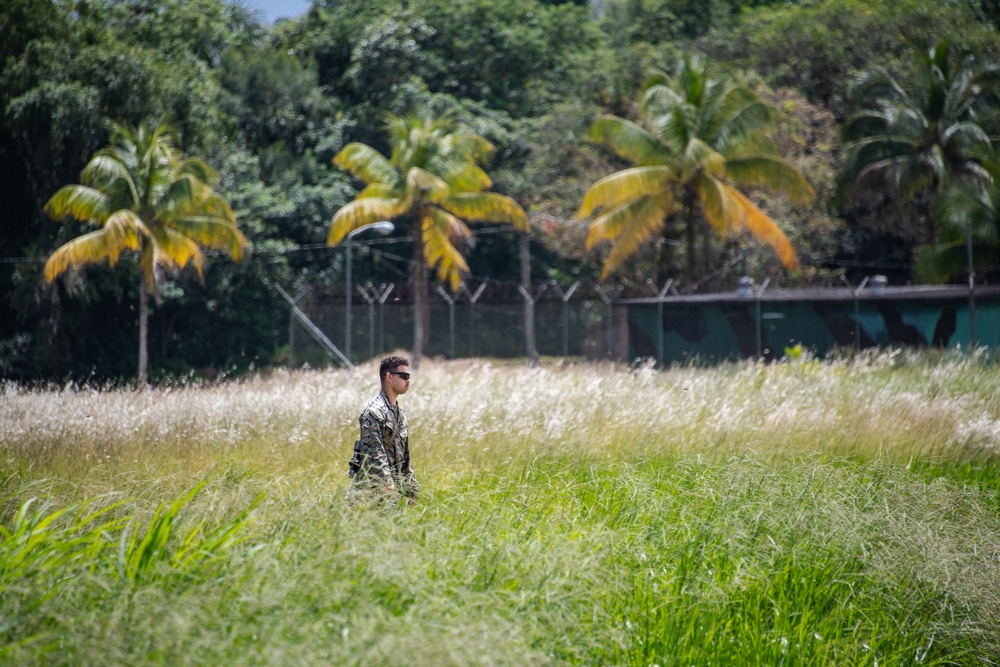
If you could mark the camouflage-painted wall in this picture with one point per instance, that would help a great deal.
(724, 327)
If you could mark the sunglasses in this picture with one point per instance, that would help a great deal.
(405, 376)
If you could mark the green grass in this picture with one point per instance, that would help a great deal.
(842, 513)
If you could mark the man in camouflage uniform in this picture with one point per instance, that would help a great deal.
(381, 463)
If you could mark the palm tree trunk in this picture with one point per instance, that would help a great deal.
(689, 228)
(529, 305)
(706, 247)
(418, 280)
(143, 331)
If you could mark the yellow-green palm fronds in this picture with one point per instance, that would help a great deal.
(213, 232)
(361, 212)
(367, 164)
(630, 226)
(122, 231)
(486, 207)
(628, 140)
(441, 231)
(80, 203)
(772, 173)
(173, 249)
(761, 226)
(618, 188)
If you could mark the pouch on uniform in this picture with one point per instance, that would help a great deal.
(354, 465)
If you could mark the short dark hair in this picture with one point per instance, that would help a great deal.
(390, 364)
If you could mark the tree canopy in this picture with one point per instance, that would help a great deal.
(269, 106)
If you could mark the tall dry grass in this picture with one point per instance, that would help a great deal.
(797, 513)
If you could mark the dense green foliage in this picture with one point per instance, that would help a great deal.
(269, 106)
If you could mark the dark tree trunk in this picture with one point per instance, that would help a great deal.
(418, 281)
(529, 305)
(690, 225)
(143, 376)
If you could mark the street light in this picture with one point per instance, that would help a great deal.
(382, 227)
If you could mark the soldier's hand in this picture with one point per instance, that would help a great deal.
(391, 487)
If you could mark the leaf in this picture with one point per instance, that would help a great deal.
(621, 187)
(764, 228)
(772, 173)
(486, 207)
(213, 232)
(361, 212)
(645, 219)
(80, 203)
(628, 140)
(440, 230)
(367, 164)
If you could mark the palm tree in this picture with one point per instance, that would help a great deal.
(964, 209)
(923, 140)
(702, 139)
(434, 181)
(145, 197)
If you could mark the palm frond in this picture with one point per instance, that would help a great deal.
(623, 186)
(700, 157)
(209, 231)
(465, 177)
(199, 169)
(425, 185)
(486, 207)
(721, 211)
(760, 225)
(941, 262)
(878, 84)
(966, 135)
(121, 232)
(750, 119)
(440, 231)
(378, 190)
(628, 140)
(863, 124)
(772, 173)
(361, 212)
(643, 224)
(80, 203)
(647, 209)
(174, 249)
(367, 164)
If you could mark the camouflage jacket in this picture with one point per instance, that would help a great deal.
(384, 447)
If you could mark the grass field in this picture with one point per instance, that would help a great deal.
(801, 513)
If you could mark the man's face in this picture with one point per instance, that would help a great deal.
(399, 379)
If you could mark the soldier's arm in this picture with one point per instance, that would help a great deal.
(373, 448)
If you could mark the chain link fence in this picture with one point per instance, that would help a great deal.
(487, 324)
(595, 322)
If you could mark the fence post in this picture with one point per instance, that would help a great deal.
(291, 328)
(565, 296)
(757, 293)
(529, 320)
(856, 291)
(972, 288)
(370, 300)
(382, 296)
(473, 297)
(451, 321)
(608, 301)
(529, 304)
(660, 293)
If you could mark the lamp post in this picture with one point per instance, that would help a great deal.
(382, 227)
